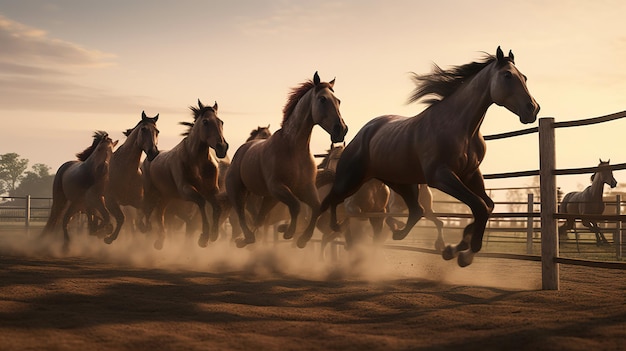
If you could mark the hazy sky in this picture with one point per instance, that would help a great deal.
(68, 68)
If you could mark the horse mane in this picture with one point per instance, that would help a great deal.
(297, 93)
(197, 112)
(441, 83)
(255, 132)
(98, 136)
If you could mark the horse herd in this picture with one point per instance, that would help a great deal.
(390, 156)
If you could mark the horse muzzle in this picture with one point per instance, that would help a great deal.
(221, 149)
(338, 133)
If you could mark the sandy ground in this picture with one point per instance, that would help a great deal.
(128, 296)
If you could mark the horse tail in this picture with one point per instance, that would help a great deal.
(59, 200)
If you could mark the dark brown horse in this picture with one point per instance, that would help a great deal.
(125, 185)
(79, 186)
(441, 146)
(187, 172)
(281, 168)
(588, 201)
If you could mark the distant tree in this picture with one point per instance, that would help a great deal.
(12, 169)
(37, 183)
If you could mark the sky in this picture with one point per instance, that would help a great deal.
(68, 68)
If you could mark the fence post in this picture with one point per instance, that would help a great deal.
(529, 224)
(617, 237)
(547, 184)
(27, 212)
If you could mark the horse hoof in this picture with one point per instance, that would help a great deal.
(302, 241)
(465, 258)
(108, 240)
(203, 242)
(158, 244)
(399, 235)
(287, 235)
(447, 253)
(282, 228)
(241, 243)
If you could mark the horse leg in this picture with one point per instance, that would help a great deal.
(284, 195)
(426, 200)
(350, 180)
(377, 226)
(480, 204)
(118, 214)
(600, 238)
(267, 204)
(410, 195)
(310, 198)
(160, 216)
(217, 213)
(569, 224)
(67, 216)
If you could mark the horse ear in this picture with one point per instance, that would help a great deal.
(200, 105)
(511, 56)
(143, 115)
(115, 143)
(332, 83)
(156, 118)
(316, 78)
(215, 106)
(499, 54)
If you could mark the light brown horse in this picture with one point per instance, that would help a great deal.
(441, 146)
(372, 197)
(425, 198)
(187, 172)
(79, 186)
(281, 168)
(125, 185)
(588, 201)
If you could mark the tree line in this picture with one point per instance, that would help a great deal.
(16, 180)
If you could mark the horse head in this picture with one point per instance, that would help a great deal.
(260, 133)
(104, 148)
(605, 174)
(208, 128)
(147, 137)
(508, 88)
(325, 109)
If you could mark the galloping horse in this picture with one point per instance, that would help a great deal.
(372, 197)
(441, 146)
(80, 184)
(187, 172)
(281, 168)
(125, 184)
(588, 201)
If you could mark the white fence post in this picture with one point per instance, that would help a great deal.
(27, 212)
(547, 183)
(617, 237)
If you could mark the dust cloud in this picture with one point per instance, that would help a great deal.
(269, 259)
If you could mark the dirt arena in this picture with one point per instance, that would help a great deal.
(128, 296)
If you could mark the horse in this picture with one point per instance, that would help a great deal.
(425, 198)
(125, 184)
(281, 168)
(187, 172)
(588, 201)
(372, 197)
(441, 146)
(80, 185)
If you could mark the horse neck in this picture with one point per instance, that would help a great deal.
(467, 106)
(297, 128)
(597, 187)
(196, 149)
(129, 153)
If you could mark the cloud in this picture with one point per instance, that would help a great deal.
(33, 47)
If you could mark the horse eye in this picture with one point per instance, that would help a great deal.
(205, 122)
(322, 99)
(508, 75)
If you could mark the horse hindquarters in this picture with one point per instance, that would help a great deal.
(59, 200)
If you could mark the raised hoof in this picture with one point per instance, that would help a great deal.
(282, 228)
(109, 240)
(287, 235)
(399, 234)
(241, 242)
(447, 253)
(158, 244)
(465, 258)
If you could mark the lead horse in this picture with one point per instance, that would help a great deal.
(281, 168)
(442, 146)
(187, 172)
(588, 201)
(80, 184)
(125, 185)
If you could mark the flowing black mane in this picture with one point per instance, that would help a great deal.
(197, 112)
(98, 136)
(439, 84)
